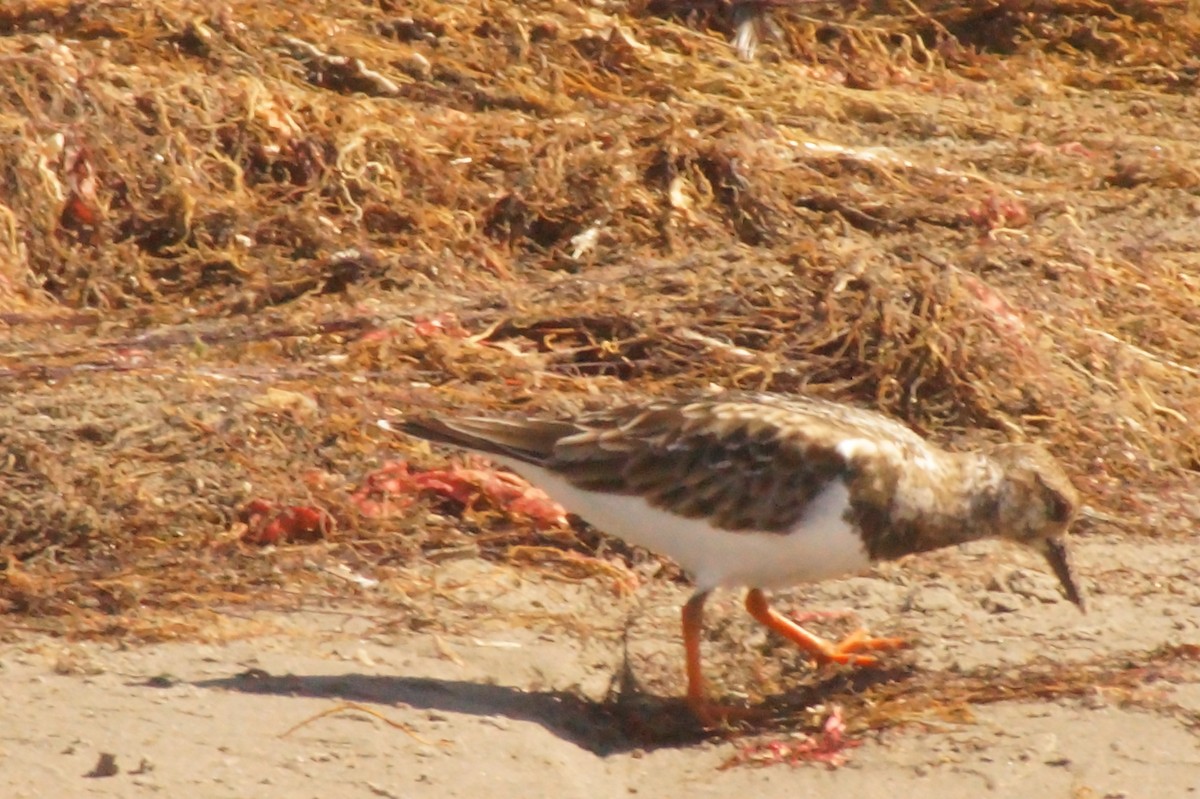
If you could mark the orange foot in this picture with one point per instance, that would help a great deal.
(847, 651)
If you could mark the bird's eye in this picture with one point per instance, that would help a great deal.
(1059, 507)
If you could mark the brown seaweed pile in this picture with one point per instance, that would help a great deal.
(235, 236)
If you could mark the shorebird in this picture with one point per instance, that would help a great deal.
(766, 491)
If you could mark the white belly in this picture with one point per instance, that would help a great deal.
(823, 545)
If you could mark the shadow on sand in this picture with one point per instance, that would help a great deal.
(628, 719)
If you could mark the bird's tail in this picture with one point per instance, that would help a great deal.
(527, 440)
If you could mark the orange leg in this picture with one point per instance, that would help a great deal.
(822, 651)
(708, 712)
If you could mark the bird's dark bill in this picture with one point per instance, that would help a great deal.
(1060, 563)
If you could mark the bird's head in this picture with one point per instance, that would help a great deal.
(1037, 505)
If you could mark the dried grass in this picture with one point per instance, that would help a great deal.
(376, 206)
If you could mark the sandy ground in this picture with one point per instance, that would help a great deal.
(503, 684)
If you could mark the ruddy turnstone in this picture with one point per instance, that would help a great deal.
(764, 491)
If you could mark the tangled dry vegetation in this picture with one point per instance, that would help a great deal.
(233, 236)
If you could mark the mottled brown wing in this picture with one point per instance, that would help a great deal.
(742, 463)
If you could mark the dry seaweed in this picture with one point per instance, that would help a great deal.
(233, 239)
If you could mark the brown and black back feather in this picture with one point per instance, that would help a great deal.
(746, 462)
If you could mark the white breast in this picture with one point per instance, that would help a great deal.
(823, 545)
